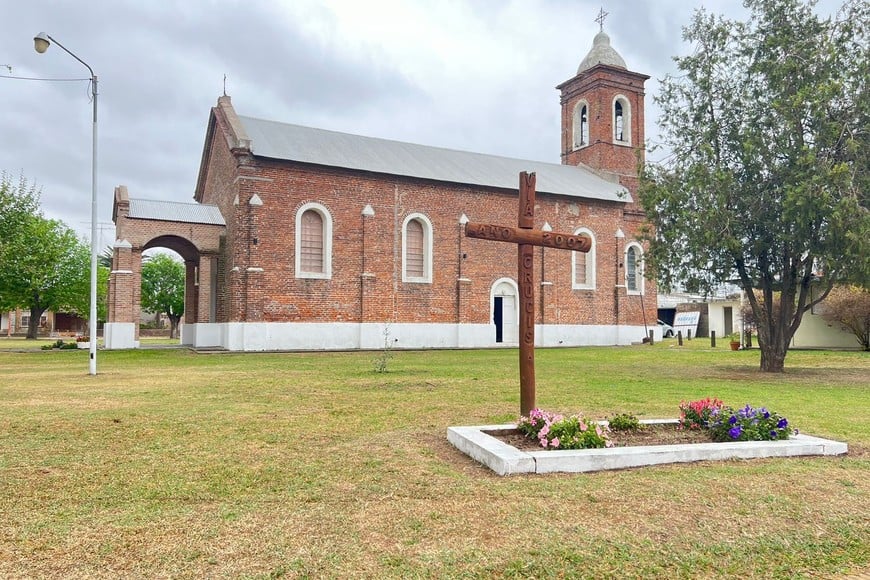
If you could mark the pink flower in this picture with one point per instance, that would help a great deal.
(583, 426)
(555, 442)
(598, 430)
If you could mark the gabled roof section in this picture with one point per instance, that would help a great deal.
(321, 147)
(173, 211)
(234, 135)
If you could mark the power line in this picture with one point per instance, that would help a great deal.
(17, 78)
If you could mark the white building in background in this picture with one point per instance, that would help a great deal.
(723, 316)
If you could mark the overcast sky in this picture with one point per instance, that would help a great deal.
(475, 75)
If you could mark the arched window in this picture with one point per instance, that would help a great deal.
(583, 264)
(621, 120)
(417, 249)
(634, 268)
(313, 242)
(581, 124)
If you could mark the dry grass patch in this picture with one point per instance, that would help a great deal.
(170, 463)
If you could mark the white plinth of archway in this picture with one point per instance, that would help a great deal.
(120, 335)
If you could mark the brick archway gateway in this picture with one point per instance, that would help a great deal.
(193, 230)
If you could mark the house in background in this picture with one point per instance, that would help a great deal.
(16, 321)
(724, 316)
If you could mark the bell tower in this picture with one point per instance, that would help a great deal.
(603, 113)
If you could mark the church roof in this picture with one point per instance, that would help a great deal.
(174, 211)
(318, 146)
(601, 53)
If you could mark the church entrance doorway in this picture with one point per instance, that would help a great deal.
(504, 311)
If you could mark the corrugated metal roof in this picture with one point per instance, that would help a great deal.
(174, 211)
(305, 144)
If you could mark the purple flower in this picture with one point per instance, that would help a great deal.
(735, 432)
(732, 420)
(783, 423)
(765, 413)
(773, 434)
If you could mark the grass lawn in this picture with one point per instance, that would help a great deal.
(176, 464)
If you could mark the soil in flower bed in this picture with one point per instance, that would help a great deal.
(663, 434)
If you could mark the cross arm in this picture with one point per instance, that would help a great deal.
(576, 242)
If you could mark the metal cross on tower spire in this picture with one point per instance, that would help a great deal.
(600, 18)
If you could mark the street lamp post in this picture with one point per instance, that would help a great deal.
(41, 42)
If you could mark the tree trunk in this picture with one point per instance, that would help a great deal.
(173, 326)
(33, 323)
(772, 357)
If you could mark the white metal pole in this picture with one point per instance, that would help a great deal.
(92, 322)
(41, 44)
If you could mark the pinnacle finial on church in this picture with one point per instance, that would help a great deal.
(600, 18)
(602, 52)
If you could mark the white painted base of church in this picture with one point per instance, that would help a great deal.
(267, 336)
(120, 335)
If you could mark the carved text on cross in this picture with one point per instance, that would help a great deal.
(526, 239)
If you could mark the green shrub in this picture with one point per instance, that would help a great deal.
(624, 422)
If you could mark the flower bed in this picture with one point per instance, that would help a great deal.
(721, 423)
(482, 443)
(575, 444)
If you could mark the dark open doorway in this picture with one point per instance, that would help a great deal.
(498, 319)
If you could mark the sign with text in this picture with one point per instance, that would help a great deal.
(687, 322)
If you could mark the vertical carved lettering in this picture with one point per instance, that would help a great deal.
(527, 327)
(527, 200)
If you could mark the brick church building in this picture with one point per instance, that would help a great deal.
(302, 238)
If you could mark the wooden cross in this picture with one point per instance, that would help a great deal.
(526, 238)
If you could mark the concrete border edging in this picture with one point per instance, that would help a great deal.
(505, 459)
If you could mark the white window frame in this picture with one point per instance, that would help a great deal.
(638, 268)
(427, 249)
(590, 263)
(327, 242)
(576, 130)
(626, 119)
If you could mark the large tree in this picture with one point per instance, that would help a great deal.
(163, 288)
(47, 270)
(19, 202)
(43, 265)
(767, 178)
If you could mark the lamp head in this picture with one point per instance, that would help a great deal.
(41, 42)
